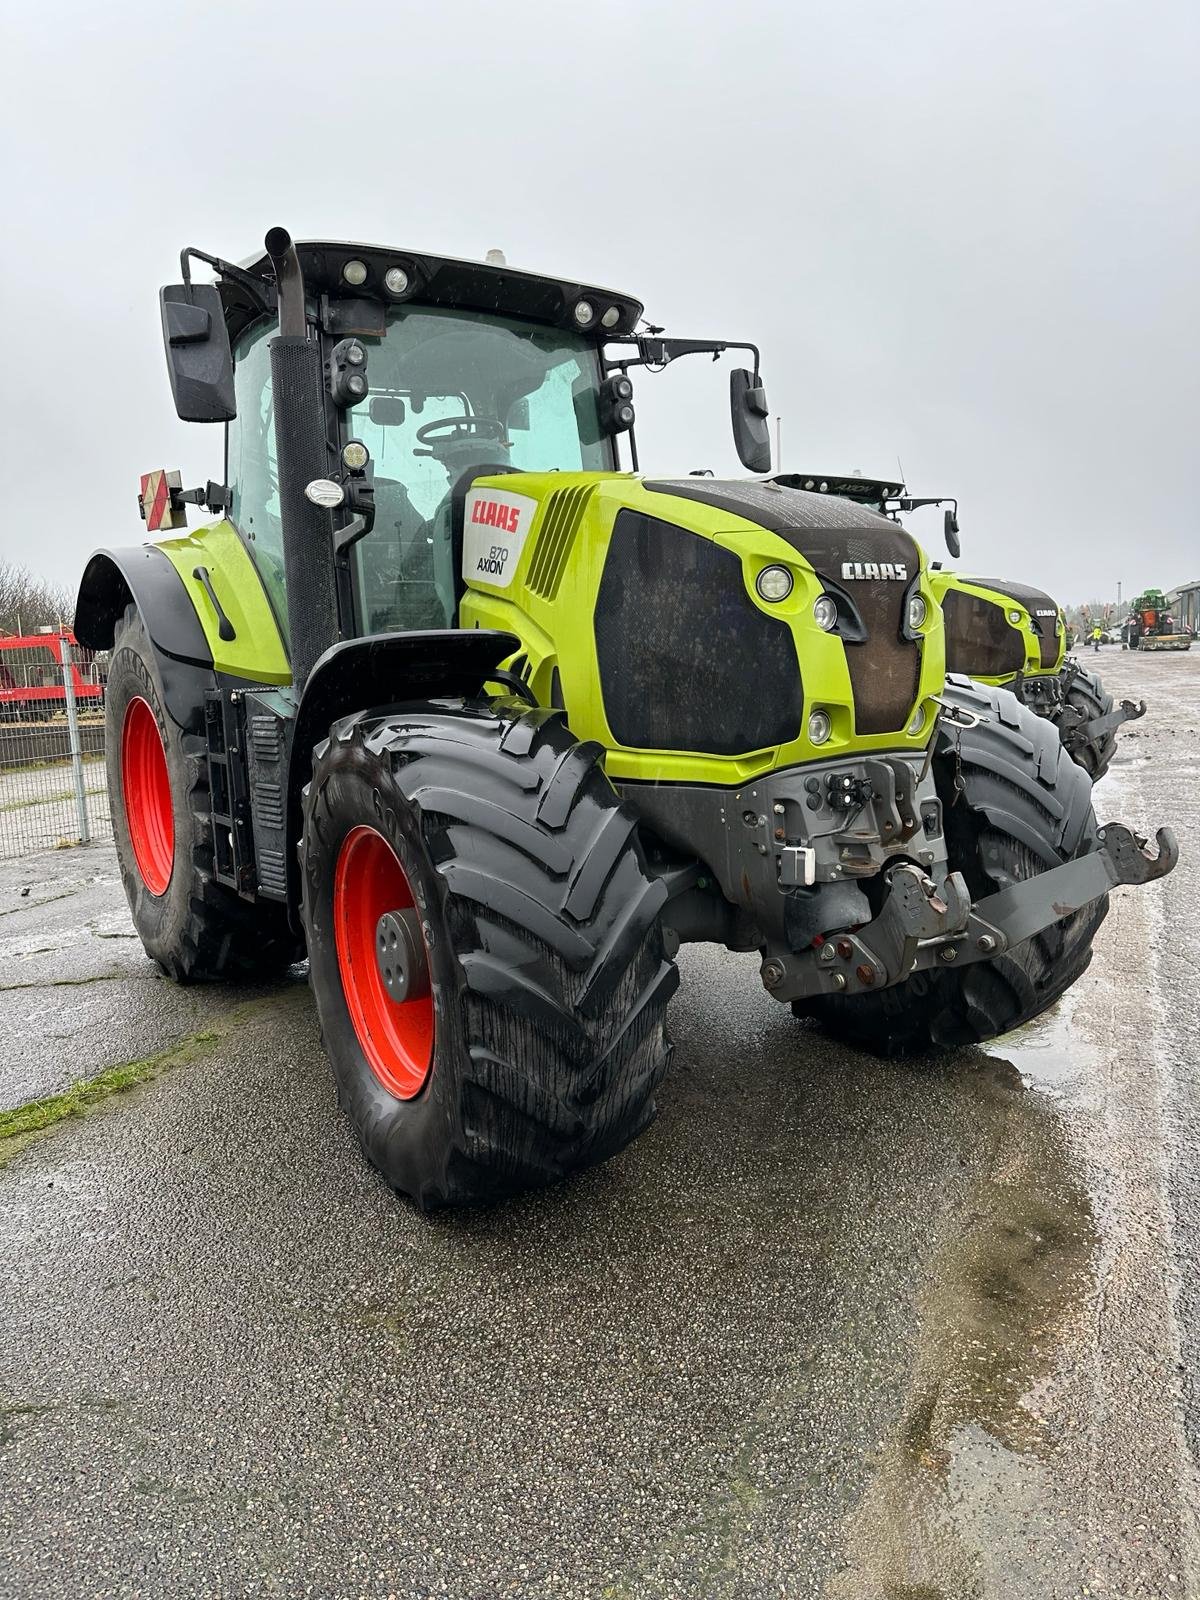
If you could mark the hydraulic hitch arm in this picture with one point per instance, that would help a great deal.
(1099, 727)
(918, 927)
(1026, 908)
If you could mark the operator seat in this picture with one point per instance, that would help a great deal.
(399, 588)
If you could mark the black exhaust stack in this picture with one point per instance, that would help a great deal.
(303, 454)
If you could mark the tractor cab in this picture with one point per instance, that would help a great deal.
(436, 371)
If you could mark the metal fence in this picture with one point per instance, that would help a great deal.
(52, 784)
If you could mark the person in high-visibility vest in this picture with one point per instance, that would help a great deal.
(1097, 635)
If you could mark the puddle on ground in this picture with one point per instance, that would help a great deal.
(1052, 1054)
(965, 1495)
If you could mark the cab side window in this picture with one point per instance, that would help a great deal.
(251, 469)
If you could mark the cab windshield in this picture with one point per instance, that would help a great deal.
(450, 392)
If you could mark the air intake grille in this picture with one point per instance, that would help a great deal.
(560, 523)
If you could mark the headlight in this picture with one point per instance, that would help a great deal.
(774, 583)
(918, 720)
(355, 273)
(584, 313)
(819, 727)
(825, 613)
(1015, 618)
(396, 280)
(355, 455)
(917, 612)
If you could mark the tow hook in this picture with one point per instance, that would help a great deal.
(1127, 851)
(959, 715)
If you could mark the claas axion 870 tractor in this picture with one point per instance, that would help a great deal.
(488, 725)
(1005, 634)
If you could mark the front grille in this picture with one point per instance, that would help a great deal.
(687, 660)
(1042, 611)
(885, 668)
(1047, 642)
(980, 640)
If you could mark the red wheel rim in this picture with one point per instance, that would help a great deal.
(396, 1035)
(146, 787)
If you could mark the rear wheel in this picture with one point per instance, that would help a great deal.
(484, 948)
(1024, 808)
(191, 925)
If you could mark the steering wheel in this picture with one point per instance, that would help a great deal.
(447, 428)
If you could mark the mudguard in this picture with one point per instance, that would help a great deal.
(142, 573)
(385, 670)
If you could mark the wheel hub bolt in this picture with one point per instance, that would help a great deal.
(400, 954)
(949, 953)
(986, 943)
(772, 973)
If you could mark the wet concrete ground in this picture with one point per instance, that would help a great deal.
(831, 1328)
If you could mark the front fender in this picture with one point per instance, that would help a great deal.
(386, 670)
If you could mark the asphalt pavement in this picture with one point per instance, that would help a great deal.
(832, 1327)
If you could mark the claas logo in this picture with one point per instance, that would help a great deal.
(494, 515)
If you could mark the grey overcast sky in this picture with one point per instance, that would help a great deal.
(964, 234)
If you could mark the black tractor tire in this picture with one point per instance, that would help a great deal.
(1024, 807)
(545, 975)
(1088, 695)
(193, 926)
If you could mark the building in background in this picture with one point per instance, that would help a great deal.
(1185, 605)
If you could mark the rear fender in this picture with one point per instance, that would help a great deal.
(143, 575)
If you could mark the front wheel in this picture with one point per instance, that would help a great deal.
(484, 947)
(1023, 808)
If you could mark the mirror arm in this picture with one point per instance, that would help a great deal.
(224, 269)
(655, 352)
(908, 504)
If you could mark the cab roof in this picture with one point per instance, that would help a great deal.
(437, 281)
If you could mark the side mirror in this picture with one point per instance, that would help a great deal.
(749, 413)
(199, 359)
(952, 539)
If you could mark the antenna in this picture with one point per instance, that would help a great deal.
(900, 467)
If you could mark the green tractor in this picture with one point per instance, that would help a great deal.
(1004, 634)
(1150, 625)
(488, 725)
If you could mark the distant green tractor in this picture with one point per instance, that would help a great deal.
(1005, 634)
(488, 725)
(1150, 625)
